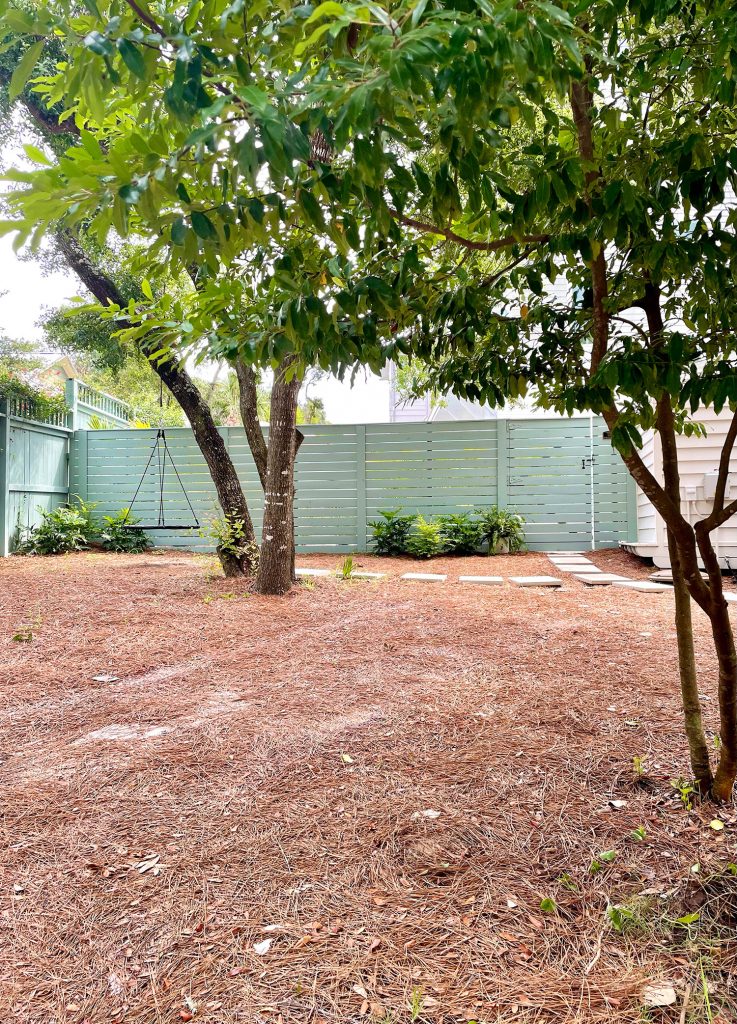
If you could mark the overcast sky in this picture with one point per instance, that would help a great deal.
(27, 292)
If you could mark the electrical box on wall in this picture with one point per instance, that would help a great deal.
(710, 485)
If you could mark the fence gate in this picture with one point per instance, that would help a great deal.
(568, 483)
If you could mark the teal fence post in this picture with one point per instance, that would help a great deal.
(71, 396)
(4, 478)
(78, 464)
(361, 488)
(502, 462)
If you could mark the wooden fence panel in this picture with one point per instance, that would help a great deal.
(347, 474)
(33, 472)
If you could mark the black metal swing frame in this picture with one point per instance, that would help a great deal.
(161, 523)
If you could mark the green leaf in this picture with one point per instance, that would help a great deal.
(25, 68)
(178, 231)
(548, 905)
(326, 10)
(132, 57)
(36, 155)
(203, 226)
(146, 289)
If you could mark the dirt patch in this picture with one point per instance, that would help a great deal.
(370, 800)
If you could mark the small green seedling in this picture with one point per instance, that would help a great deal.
(346, 569)
(605, 857)
(548, 905)
(415, 1004)
(685, 790)
(620, 917)
(567, 881)
(638, 834)
(638, 766)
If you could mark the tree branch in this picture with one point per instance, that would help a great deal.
(146, 18)
(469, 243)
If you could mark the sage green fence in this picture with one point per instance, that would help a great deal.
(560, 474)
(34, 449)
(34, 453)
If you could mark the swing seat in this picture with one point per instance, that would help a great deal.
(161, 526)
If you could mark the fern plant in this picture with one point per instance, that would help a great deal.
(501, 529)
(121, 533)
(427, 539)
(66, 528)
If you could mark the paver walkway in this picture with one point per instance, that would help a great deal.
(575, 564)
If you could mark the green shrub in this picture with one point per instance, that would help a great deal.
(460, 533)
(501, 529)
(426, 541)
(121, 533)
(72, 528)
(391, 532)
(66, 528)
(229, 534)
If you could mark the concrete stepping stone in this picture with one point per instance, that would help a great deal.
(666, 576)
(311, 572)
(488, 581)
(644, 586)
(730, 597)
(425, 577)
(359, 574)
(583, 567)
(601, 579)
(536, 581)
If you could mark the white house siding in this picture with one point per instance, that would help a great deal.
(698, 459)
(646, 517)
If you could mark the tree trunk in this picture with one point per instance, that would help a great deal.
(248, 404)
(682, 541)
(721, 629)
(277, 535)
(211, 444)
(227, 484)
(724, 645)
(697, 745)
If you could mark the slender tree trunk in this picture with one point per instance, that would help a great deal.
(211, 444)
(277, 535)
(227, 484)
(726, 772)
(697, 745)
(724, 645)
(248, 402)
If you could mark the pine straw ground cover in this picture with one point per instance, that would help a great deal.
(363, 802)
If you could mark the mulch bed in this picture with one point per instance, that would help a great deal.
(350, 804)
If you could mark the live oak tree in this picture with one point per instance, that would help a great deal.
(140, 92)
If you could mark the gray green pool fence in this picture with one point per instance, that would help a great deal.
(560, 474)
